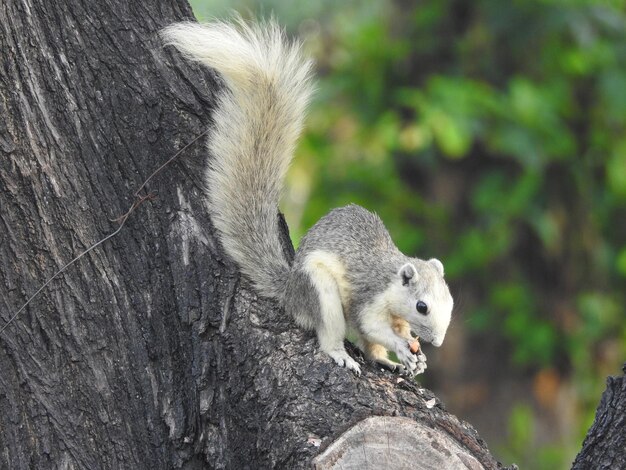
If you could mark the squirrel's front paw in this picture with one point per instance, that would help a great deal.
(421, 364)
(406, 357)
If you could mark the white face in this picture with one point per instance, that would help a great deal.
(423, 300)
(432, 326)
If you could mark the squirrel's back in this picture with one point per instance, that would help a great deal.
(257, 123)
(361, 244)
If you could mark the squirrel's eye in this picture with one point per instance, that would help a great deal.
(422, 307)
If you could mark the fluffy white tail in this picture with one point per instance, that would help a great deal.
(257, 123)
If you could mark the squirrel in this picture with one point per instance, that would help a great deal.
(347, 274)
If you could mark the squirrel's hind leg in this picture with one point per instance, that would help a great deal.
(379, 354)
(330, 323)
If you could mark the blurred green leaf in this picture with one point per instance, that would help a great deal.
(616, 169)
(621, 262)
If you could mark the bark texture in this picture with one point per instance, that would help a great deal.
(150, 352)
(605, 444)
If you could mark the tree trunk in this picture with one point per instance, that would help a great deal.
(605, 444)
(149, 352)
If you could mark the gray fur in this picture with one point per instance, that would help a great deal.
(360, 239)
(347, 271)
(301, 300)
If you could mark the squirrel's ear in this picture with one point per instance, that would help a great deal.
(408, 274)
(438, 265)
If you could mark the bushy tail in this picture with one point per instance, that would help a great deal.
(257, 123)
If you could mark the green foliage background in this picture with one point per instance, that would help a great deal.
(491, 135)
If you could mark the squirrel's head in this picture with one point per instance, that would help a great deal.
(421, 296)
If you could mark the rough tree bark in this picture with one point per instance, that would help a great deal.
(151, 352)
(604, 447)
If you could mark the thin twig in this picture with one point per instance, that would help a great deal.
(136, 204)
(121, 220)
(158, 170)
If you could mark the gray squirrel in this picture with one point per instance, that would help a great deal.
(347, 273)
